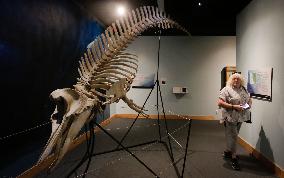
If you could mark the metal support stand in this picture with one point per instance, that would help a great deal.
(120, 146)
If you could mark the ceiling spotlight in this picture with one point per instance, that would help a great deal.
(199, 4)
(120, 10)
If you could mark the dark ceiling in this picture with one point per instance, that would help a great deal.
(200, 17)
(213, 17)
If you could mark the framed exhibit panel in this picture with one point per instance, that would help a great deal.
(226, 73)
(144, 81)
(260, 83)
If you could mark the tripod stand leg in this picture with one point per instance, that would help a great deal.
(88, 155)
(187, 140)
(135, 119)
(157, 107)
(92, 137)
(166, 124)
(126, 149)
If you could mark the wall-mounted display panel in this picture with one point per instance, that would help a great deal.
(260, 83)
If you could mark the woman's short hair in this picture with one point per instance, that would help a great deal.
(232, 77)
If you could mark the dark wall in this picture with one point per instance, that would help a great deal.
(40, 45)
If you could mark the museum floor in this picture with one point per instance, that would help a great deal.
(203, 158)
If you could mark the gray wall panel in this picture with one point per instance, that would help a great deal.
(192, 62)
(260, 44)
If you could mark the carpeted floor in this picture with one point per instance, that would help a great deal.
(204, 158)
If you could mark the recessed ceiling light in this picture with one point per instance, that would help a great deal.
(120, 10)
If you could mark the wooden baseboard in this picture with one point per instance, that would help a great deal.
(268, 163)
(36, 169)
(133, 116)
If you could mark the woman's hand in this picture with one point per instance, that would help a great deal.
(238, 107)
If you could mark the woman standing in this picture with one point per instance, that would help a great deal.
(235, 103)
